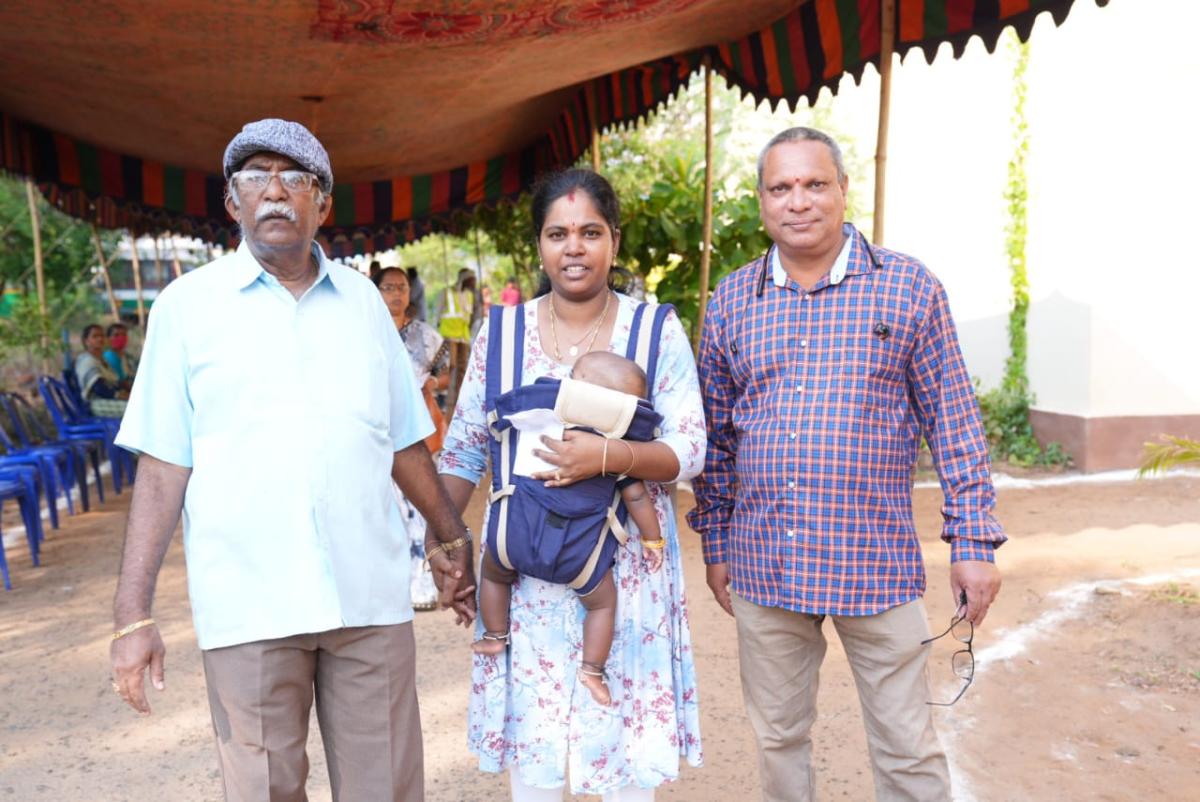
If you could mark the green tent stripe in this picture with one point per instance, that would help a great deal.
(935, 18)
(422, 195)
(735, 54)
(343, 204)
(493, 179)
(783, 54)
(89, 168)
(173, 191)
(850, 23)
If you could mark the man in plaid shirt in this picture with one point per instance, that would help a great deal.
(822, 366)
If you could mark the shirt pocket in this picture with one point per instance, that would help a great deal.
(871, 382)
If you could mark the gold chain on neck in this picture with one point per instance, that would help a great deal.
(595, 330)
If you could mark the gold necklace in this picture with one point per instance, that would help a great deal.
(573, 350)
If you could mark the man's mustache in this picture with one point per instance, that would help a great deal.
(274, 209)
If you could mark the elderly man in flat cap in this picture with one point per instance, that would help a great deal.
(274, 405)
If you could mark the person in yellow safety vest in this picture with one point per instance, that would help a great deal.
(457, 313)
(458, 320)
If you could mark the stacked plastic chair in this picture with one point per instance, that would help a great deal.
(19, 485)
(30, 434)
(73, 422)
(55, 467)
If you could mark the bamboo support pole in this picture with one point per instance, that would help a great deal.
(590, 91)
(887, 46)
(478, 262)
(160, 270)
(176, 266)
(104, 263)
(39, 268)
(137, 281)
(706, 240)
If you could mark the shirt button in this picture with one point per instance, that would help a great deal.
(791, 533)
(804, 343)
(799, 388)
(792, 436)
(791, 485)
(805, 296)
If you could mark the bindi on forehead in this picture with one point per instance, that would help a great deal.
(570, 196)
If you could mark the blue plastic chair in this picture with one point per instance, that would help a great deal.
(25, 480)
(72, 423)
(31, 435)
(58, 469)
(8, 489)
(48, 476)
(78, 412)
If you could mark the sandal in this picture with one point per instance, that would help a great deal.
(491, 642)
(593, 676)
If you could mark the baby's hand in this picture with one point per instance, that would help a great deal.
(652, 553)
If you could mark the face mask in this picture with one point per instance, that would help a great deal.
(118, 341)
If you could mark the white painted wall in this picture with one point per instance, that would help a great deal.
(1112, 100)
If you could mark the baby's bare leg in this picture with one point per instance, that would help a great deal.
(641, 510)
(598, 624)
(495, 594)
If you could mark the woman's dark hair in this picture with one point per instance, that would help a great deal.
(553, 186)
(378, 277)
(114, 328)
(88, 330)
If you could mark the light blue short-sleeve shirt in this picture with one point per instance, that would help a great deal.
(288, 413)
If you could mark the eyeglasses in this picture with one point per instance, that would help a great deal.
(963, 661)
(257, 180)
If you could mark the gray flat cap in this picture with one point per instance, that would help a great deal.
(285, 138)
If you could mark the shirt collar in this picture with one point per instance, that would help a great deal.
(247, 270)
(836, 273)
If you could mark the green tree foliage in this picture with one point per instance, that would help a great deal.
(68, 257)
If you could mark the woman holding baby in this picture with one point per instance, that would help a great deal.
(532, 712)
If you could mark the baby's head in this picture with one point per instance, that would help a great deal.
(606, 369)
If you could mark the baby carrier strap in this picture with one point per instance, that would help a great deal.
(505, 356)
(644, 336)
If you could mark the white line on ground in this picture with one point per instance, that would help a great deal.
(1065, 604)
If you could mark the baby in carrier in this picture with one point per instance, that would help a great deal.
(599, 595)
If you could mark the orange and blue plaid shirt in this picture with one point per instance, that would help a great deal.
(816, 404)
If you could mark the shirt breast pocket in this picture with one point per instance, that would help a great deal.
(871, 382)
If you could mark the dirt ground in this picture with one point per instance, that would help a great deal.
(1087, 685)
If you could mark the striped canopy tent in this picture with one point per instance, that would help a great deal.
(120, 110)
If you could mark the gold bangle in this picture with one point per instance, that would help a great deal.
(453, 545)
(632, 459)
(657, 544)
(134, 627)
(604, 459)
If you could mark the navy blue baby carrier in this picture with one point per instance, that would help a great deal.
(567, 535)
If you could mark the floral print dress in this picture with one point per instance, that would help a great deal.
(528, 711)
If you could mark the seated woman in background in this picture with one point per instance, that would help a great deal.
(120, 360)
(98, 384)
(430, 357)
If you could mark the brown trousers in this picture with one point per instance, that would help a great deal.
(363, 679)
(780, 654)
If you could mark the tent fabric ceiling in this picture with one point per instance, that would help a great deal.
(121, 116)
